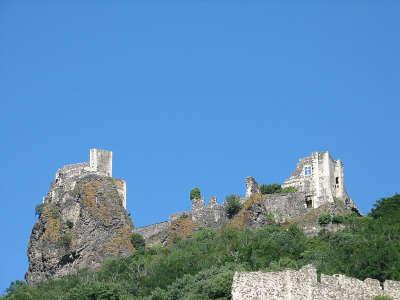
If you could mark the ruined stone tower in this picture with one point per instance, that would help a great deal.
(321, 178)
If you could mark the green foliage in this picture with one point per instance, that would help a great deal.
(195, 193)
(233, 205)
(382, 298)
(201, 267)
(289, 189)
(39, 209)
(338, 219)
(138, 241)
(70, 225)
(387, 209)
(270, 188)
(325, 219)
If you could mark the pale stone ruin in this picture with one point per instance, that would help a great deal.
(303, 285)
(321, 178)
(252, 187)
(100, 163)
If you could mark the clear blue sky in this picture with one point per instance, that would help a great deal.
(192, 94)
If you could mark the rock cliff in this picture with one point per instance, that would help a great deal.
(81, 222)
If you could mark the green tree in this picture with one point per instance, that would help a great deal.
(233, 205)
(195, 193)
(270, 188)
(387, 209)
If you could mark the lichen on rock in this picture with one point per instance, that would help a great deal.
(78, 228)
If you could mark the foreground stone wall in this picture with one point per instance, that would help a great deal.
(303, 284)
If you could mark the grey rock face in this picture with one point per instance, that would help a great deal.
(82, 222)
(303, 285)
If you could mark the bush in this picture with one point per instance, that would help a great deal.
(289, 189)
(382, 298)
(70, 225)
(138, 241)
(195, 194)
(270, 188)
(338, 219)
(233, 205)
(39, 209)
(325, 219)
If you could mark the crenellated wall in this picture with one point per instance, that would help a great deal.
(303, 285)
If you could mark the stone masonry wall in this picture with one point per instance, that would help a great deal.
(303, 285)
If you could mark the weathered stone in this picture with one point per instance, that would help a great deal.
(252, 187)
(82, 222)
(321, 178)
(303, 285)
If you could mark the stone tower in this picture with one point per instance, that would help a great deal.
(321, 178)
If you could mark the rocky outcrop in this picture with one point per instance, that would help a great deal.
(303, 285)
(81, 222)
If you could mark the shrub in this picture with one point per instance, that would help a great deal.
(39, 209)
(382, 298)
(289, 189)
(233, 205)
(138, 241)
(195, 193)
(325, 219)
(70, 225)
(338, 219)
(270, 188)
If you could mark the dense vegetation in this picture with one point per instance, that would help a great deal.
(275, 188)
(202, 267)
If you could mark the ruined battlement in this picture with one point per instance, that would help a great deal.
(100, 163)
(304, 285)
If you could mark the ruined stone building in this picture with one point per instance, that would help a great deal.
(318, 179)
(100, 163)
(321, 178)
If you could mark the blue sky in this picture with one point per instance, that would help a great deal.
(192, 94)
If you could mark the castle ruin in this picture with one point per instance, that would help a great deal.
(100, 163)
(321, 178)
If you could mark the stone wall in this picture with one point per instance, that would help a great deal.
(213, 215)
(303, 284)
(155, 233)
